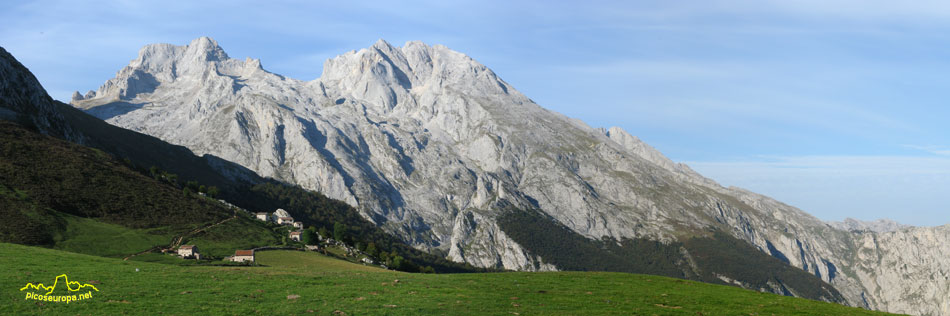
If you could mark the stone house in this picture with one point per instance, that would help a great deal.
(295, 236)
(189, 252)
(285, 220)
(243, 256)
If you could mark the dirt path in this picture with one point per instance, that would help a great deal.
(176, 242)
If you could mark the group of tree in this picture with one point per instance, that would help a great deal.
(189, 188)
(193, 186)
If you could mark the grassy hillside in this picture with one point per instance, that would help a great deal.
(66, 196)
(89, 236)
(331, 287)
(88, 183)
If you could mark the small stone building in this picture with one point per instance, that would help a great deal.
(295, 236)
(298, 225)
(285, 220)
(262, 216)
(189, 252)
(243, 256)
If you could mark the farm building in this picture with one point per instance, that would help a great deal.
(189, 252)
(285, 220)
(295, 236)
(262, 216)
(243, 256)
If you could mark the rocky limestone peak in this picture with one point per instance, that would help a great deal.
(252, 63)
(206, 48)
(202, 49)
(385, 75)
(169, 61)
(382, 44)
(202, 62)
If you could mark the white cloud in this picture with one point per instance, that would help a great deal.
(936, 150)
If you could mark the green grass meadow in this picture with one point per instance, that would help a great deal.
(304, 283)
(88, 236)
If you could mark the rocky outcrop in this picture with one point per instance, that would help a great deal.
(433, 146)
(878, 226)
(22, 98)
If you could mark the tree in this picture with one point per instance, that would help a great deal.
(371, 249)
(154, 172)
(309, 236)
(213, 191)
(324, 233)
(193, 185)
(186, 191)
(397, 263)
(339, 231)
(203, 189)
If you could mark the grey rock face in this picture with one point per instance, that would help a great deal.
(433, 146)
(878, 226)
(23, 98)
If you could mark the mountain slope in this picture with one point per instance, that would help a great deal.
(62, 195)
(23, 100)
(434, 147)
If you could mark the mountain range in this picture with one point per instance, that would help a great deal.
(86, 184)
(435, 148)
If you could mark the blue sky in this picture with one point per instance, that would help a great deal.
(837, 107)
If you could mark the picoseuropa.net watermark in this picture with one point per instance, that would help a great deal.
(44, 293)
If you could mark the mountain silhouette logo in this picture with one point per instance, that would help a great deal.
(71, 286)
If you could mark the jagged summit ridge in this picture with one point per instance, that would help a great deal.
(433, 146)
(386, 75)
(158, 64)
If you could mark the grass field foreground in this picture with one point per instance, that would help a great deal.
(302, 283)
